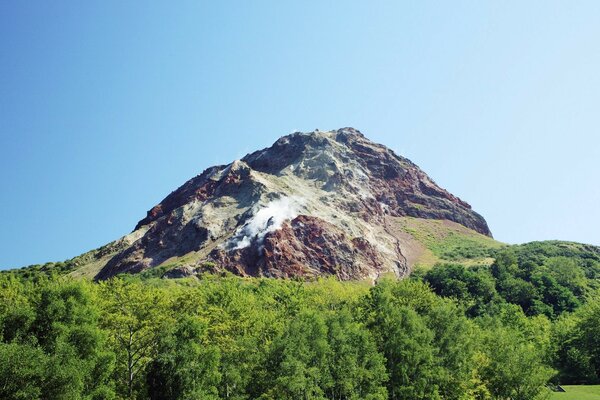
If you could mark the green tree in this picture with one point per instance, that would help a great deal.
(404, 339)
(588, 327)
(473, 288)
(568, 273)
(299, 361)
(16, 311)
(571, 356)
(455, 339)
(23, 371)
(61, 336)
(516, 351)
(242, 320)
(186, 367)
(135, 315)
(357, 368)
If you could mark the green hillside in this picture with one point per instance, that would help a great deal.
(438, 241)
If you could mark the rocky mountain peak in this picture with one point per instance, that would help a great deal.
(323, 202)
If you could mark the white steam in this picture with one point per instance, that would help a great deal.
(267, 219)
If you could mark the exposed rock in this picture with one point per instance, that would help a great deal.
(312, 204)
(180, 272)
(310, 246)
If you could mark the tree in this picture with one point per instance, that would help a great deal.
(16, 311)
(571, 356)
(455, 340)
(22, 372)
(357, 368)
(404, 339)
(474, 288)
(589, 326)
(516, 349)
(135, 316)
(299, 361)
(186, 366)
(242, 319)
(568, 273)
(59, 348)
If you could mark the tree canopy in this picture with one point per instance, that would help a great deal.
(498, 332)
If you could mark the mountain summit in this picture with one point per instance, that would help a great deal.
(318, 203)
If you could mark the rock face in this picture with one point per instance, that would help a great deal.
(319, 203)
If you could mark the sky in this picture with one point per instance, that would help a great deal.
(108, 106)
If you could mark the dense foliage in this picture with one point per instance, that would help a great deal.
(498, 332)
(543, 278)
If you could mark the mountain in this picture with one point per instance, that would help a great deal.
(318, 203)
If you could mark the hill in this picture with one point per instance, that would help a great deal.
(312, 204)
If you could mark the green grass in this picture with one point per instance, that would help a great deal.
(581, 392)
(447, 241)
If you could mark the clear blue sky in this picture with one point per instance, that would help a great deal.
(107, 106)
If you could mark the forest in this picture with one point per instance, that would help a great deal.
(511, 330)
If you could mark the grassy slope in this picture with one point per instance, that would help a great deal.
(445, 241)
(85, 265)
(582, 392)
